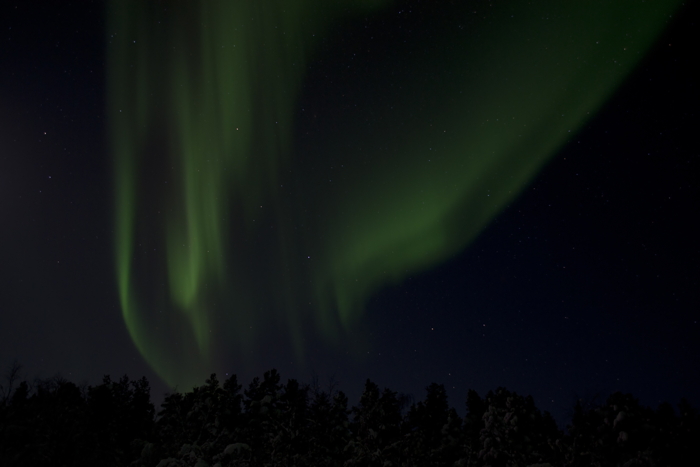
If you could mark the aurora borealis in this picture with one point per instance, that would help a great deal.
(233, 227)
(556, 259)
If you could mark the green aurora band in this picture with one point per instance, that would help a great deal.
(228, 231)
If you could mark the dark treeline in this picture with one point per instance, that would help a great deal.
(55, 422)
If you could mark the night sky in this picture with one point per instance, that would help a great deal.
(370, 216)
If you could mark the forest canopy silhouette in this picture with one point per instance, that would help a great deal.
(56, 422)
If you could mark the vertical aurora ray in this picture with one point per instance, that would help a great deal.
(218, 212)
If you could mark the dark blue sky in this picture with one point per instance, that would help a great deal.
(587, 283)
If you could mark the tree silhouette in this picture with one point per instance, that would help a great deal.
(55, 422)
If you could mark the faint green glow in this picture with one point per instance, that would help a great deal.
(224, 232)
